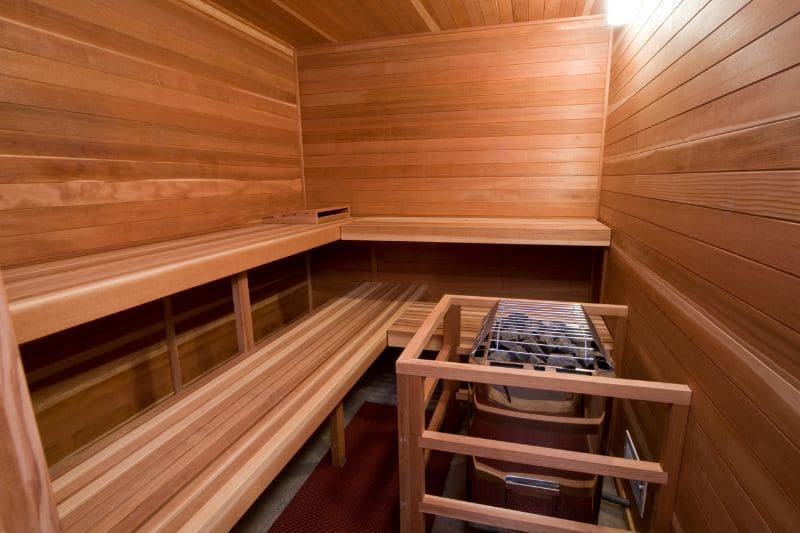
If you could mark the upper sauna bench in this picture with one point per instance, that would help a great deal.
(530, 231)
(49, 297)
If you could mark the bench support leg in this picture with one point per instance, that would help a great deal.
(243, 312)
(337, 436)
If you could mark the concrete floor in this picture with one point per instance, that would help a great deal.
(377, 385)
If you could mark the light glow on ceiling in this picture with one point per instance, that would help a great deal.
(621, 12)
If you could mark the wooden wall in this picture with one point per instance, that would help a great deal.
(135, 121)
(130, 122)
(701, 185)
(495, 122)
(549, 272)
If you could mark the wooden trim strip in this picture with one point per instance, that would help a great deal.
(430, 383)
(27, 502)
(630, 389)
(426, 17)
(172, 344)
(587, 463)
(425, 332)
(303, 20)
(234, 22)
(505, 518)
(601, 162)
(489, 301)
(592, 21)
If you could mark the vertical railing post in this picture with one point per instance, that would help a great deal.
(172, 344)
(243, 312)
(411, 422)
(26, 495)
(451, 334)
(670, 460)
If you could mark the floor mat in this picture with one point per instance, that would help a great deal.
(362, 496)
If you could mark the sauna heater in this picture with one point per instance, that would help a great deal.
(537, 336)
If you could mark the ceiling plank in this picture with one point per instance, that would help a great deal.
(536, 10)
(506, 11)
(425, 15)
(305, 21)
(520, 8)
(459, 13)
(473, 9)
(552, 8)
(587, 7)
(491, 12)
(256, 33)
(442, 13)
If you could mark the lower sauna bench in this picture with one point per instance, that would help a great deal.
(199, 462)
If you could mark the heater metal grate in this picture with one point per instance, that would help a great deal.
(541, 336)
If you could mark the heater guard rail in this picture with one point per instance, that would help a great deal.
(417, 379)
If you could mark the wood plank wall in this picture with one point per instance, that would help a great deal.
(136, 121)
(548, 272)
(495, 121)
(130, 122)
(701, 185)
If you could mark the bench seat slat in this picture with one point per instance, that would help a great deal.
(49, 297)
(168, 469)
(216, 429)
(104, 460)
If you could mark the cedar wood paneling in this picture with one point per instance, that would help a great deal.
(124, 123)
(502, 121)
(130, 122)
(700, 186)
(548, 272)
(309, 22)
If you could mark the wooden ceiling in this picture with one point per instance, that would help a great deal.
(309, 22)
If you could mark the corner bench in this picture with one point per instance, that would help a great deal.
(199, 463)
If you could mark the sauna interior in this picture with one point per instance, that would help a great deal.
(259, 257)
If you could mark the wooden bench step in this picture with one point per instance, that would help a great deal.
(208, 456)
(483, 230)
(50, 297)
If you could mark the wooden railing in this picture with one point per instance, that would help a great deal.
(418, 378)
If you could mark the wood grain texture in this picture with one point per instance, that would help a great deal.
(564, 232)
(27, 502)
(53, 296)
(410, 364)
(213, 452)
(88, 380)
(536, 272)
(700, 189)
(128, 124)
(310, 22)
(490, 122)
